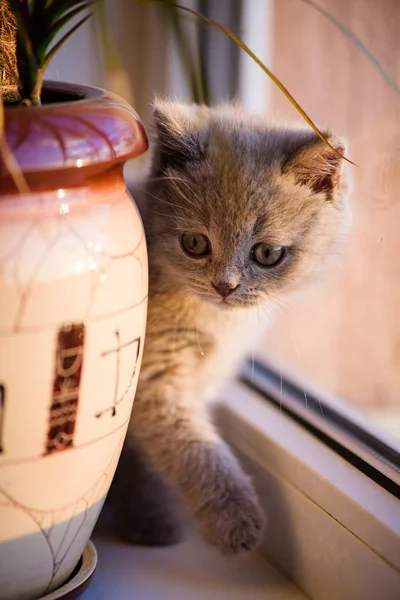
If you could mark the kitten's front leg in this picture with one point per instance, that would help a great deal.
(182, 442)
(223, 500)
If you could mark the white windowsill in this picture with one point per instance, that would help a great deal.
(189, 570)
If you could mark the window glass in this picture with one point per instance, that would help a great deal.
(345, 336)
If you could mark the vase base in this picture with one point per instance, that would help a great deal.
(79, 579)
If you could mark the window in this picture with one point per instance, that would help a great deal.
(344, 337)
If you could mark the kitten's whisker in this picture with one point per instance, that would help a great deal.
(164, 215)
(181, 193)
(280, 303)
(182, 209)
(320, 406)
(172, 178)
(301, 367)
(281, 374)
(198, 342)
(253, 349)
(167, 178)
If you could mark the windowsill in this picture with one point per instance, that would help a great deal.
(188, 570)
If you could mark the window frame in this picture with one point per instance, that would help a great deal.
(357, 439)
(332, 529)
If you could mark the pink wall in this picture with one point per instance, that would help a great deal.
(345, 336)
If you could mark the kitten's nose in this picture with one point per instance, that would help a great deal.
(225, 288)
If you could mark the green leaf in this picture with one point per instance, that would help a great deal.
(60, 7)
(26, 63)
(54, 28)
(21, 15)
(197, 83)
(61, 21)
(62, 41)
(38, 22)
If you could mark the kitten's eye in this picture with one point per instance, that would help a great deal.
(196, 244)
(267, 255)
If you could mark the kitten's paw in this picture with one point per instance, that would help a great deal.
(236, 523)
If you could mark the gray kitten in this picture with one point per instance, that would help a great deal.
(237, 214)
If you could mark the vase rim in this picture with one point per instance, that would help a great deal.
(81, 127)
(73, 92)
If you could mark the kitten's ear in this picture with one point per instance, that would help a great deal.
(178, 135)
(318, 166)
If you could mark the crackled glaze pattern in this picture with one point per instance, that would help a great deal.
(73, 298)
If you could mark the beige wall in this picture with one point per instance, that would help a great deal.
(346, 335)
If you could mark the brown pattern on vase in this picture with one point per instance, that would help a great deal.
(67, 378)
(117, 351)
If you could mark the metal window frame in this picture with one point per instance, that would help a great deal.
(348, 434)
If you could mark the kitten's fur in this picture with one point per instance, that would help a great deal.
(239, 181)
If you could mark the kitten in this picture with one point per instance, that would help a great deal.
(237, 214)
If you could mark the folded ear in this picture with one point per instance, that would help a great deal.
(318, 166)
(178, 137)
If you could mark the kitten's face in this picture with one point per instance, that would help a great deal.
(242, 213)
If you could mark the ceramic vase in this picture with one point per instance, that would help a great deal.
(73, 299)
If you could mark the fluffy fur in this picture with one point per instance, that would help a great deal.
(240, 182)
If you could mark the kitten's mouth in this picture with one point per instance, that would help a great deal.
(223, 303)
